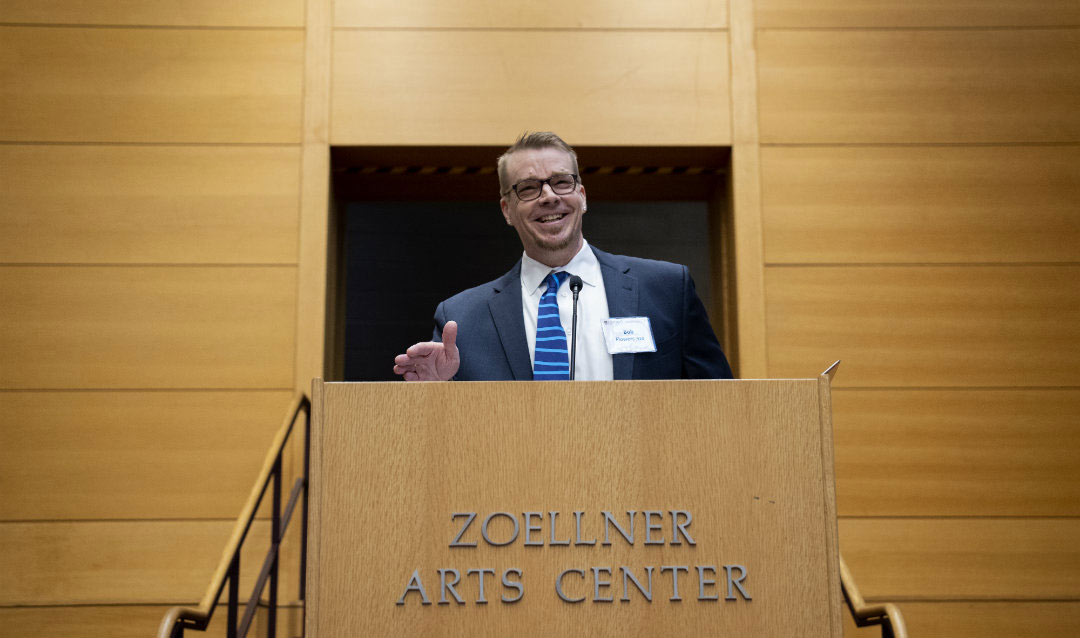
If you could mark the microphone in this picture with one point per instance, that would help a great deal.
(575, 287)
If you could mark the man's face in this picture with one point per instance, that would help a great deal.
(550, 225)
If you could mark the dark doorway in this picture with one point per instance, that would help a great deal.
(417, 225)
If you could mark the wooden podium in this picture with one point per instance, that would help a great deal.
(625, 508)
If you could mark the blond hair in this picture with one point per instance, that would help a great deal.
(539, 140)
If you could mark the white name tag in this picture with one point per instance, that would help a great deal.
(628, 334)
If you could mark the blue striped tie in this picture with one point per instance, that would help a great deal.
(551, 361)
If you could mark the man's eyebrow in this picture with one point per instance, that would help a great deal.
(549, 176)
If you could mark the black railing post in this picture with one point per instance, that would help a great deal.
(304, 519)
(234, 595)
(275, 544)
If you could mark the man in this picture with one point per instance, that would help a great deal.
(637, 318)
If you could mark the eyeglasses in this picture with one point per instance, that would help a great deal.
(560, 183)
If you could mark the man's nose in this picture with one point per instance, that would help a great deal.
(547, 193)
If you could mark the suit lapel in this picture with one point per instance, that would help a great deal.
(505, 307)
(622, 300)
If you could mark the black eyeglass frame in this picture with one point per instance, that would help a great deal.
(540, 191)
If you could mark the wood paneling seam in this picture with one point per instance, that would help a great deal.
(902, 264)
(1063, 27)
(151, 144)
(536, 29)
(153, 389)
(170, 27)
(958, 388)
(915, 144)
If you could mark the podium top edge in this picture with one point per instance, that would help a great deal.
(553, 383)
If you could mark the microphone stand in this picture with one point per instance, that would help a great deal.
(575, 287)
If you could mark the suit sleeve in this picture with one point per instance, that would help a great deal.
(440, 321)
(703, 358)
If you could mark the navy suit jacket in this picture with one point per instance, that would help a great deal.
(491, 328)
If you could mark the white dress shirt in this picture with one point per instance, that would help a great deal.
(593, 360)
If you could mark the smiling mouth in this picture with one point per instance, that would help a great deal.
(547, 219)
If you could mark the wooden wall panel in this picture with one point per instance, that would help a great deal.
(963, 559)
(317, 271)
(141, 562)
(981, 620)
(125, 621)
(919, 86)
(559, 14)
(483, 87)
(912, 204)
(148, 239)
(150, 85)
(147, 327)
(916, 13)
(744, 230)
(957, 452)
(148, 204)
(115, 621)
(951, 326)
(131, 455)
(919, 180)
(199, 13)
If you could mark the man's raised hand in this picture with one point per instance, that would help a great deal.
(431, 360)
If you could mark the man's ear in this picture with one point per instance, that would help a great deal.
(584, 202)
(505, 207)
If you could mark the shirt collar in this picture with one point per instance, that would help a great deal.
(584, 265)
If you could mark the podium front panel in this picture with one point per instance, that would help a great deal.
(637, 508)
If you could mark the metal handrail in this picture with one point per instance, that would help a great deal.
(885, 614)
(177, 619)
